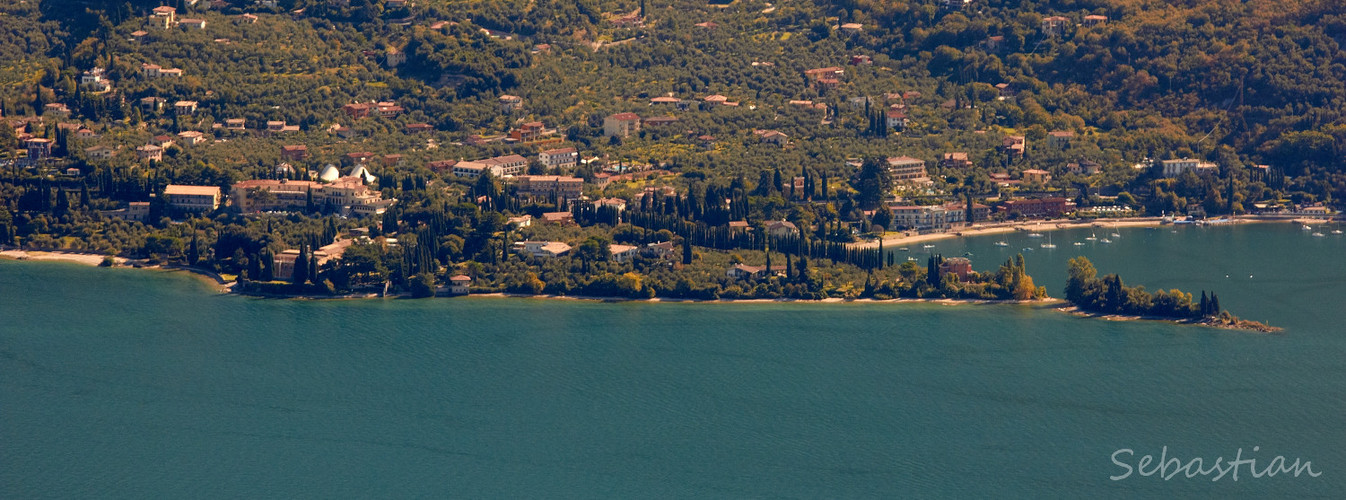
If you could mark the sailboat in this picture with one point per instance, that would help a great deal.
(1092, 237)
(1001, 243)
(1048, 244)
(1079, 243)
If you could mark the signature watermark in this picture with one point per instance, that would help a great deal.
(1168, 467)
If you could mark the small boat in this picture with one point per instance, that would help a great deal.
(1002, 243)
(911, 259)
(904, 249)
(1028, 249)
(1092, 237)
(1336, 231)
(1105, 240)
(1115, 235)
(1306, 228)
(1048, 245)
(1079, 243)
(1034, 235)
(1318, 234)
(927, 247)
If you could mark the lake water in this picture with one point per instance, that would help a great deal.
(134, 384)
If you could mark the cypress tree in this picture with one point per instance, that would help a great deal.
(312, 267)
(1214, 305)
(62, 202)
(931, 272)
(268, 265)
(881, 254)
(300, 267)
(1205, 304)
(255, 266)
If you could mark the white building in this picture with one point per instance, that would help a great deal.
(1174, 168)
(542, 248)
(499, 166)
(193, 198)
(559, 158)
(928, 217)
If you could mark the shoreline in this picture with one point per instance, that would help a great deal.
(903, 239)
(1056, 304)
(88, 259)
(830, 300)
(96, 260)
(1238, 324)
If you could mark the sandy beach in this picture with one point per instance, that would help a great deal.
(78, 258)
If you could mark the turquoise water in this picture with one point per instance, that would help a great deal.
(133, 384)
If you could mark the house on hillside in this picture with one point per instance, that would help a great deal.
(184, 107)
(773, 137)
(294, 152)
(191, 137)
(621, 125)
(150, 152)
(559, 158)
(1013, 146)
(510, 103)
(193, 198)
(1054, 25)
(1037, 176)
(542, 249)
(1060, 139)
(955, 160)
(744, 271)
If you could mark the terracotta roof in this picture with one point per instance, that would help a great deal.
(173, 189)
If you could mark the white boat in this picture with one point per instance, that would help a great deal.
(927, 247)
(1336, 231)
(1048, 245)
(904, 249)
(1079, 243)
(1001, 243)
(1092, 237)
(1105, 240)
(1028, 249)
(911, 259)
(1034, 235)
(967, 254)
(1307, 228)
(1116, 235)
(1318, 235)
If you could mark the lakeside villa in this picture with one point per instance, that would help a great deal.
(348, 194)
